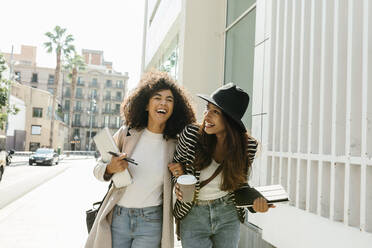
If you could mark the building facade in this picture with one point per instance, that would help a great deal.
(306, 66)
(98, 93)
(33, 122)
(98, 96)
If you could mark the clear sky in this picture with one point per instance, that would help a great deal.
(113, 26)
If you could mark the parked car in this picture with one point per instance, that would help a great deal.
(44, 156)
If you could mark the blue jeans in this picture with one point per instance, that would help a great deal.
(137, 227)
(211, 224)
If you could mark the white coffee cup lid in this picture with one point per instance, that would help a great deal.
(186, 179)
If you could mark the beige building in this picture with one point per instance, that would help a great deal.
(38, 118)
(98, 96)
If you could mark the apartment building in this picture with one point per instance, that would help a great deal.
(98, 96)
(30, 128)
(306, 67)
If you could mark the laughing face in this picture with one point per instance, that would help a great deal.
(213, 120)
(160, 107)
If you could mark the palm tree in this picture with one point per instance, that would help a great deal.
(73, 64)
(60, 43)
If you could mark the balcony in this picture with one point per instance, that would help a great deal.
(78, 110)
(95, 96)
(79, 96)
(76, 124)
(107, 111)
(93, 84)
(117, 98)
(107, 98)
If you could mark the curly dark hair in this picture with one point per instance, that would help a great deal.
(133, 108)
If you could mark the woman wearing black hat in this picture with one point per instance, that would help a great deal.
(219, 153)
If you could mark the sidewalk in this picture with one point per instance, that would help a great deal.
(53, 215)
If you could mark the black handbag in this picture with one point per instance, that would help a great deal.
(92, 213)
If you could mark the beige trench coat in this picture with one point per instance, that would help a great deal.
(100, 235)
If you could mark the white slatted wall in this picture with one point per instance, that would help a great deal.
(320, 116)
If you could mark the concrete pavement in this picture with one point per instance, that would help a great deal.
(53, 214)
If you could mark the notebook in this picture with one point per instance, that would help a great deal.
(245, 196)
(105, 143)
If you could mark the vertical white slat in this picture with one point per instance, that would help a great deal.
(275, 88)
(310, 105)
(348, 108)
(321, 111)
(284, 65)
(334, 108)
(365, 61)
(291, 93)
(301, 73)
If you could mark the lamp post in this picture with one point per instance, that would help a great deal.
(92, 107)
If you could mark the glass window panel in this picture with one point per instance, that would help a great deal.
(239, 58)
(235, 8)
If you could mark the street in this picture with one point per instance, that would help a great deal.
(44, 206)
(53, 213)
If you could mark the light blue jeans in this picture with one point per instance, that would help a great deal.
(137, 227)
(211, 224)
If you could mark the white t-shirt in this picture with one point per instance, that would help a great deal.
(212, 190)
(148, 176)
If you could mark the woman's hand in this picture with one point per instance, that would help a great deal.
(260, 205)
(178, 192)
(175, 169)
(117, 164)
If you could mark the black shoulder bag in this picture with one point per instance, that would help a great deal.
(91, 214)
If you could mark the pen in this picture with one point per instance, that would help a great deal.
(129, 160)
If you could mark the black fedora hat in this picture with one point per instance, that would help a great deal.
(232, 100)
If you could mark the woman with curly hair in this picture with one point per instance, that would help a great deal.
(140, 214)
(219, 153)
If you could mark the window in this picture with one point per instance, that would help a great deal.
(34, 146)
(17, 76)
(51, 79)
(94, 80)
(239, 50)
(51, 90)
(119, 84)
(77, 119)
(35, 129)
(78, 105)
(108, 83)
(118, 95)
(66, 118)
(106, 121)
(79, 80)
(117, 108)
(117, 121)
(76, 133)
(107, 107)
(37, 112)
(68, 92)
(79, 92)
(67, 105)
(108, 95)
(34, 78)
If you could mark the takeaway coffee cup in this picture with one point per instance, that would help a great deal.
(187, 187)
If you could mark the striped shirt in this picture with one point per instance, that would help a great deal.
(185, 154)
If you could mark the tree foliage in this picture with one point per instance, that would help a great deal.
(5, 84)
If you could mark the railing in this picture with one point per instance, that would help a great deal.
(107, 98)
(120, 86)
(118, 99)
(79, 96)
(107, 111)
(94, 85)
(82, 83)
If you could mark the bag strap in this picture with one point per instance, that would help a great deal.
(216, 172)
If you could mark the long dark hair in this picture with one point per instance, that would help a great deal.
(236, 164)
(133, 109)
